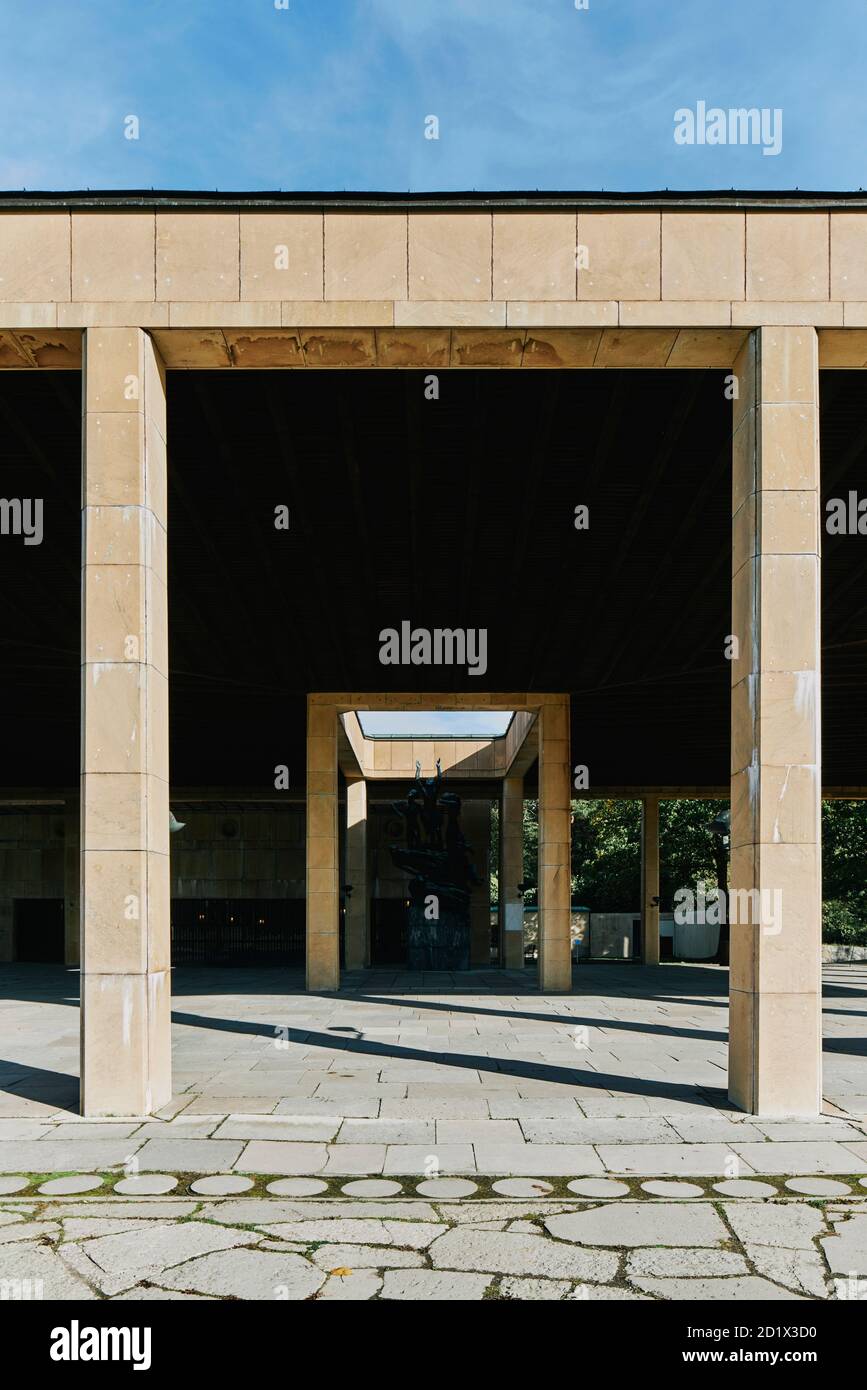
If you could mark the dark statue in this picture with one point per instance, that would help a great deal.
(442, 876)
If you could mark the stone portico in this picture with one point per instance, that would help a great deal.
(128, 289)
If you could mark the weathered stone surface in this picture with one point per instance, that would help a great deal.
(222, 1185)
(27, 1230)
(157, 1247)
(155, 1295)
(534, 1290)
(344, 1231)
(255, 1211)
(786, 1225)
(471, 1213)
(503, 1253)
(744, 1187)
(249, 1274)
(641, 1223)
(65, 1187)
(797, 1158)
(713, 1290)
(592, 1292)
(368, 1187)
(146, 1185)
(521, 1187)
(427, 1285)
(417, 1235)
(188, 1155)
(818, 1187)
(297, 1187)
(83, 1227)
(40, 1265)
(447, 1187)
(331, 1257)
(678, 1160)
(666, 1263)
(13, 1184)
(360, 1284)
(53, 1155)
(597, 1187)
(116, 1208)
(801, 1270)
(279, 1156)
(846, 1250)
(662, 1188)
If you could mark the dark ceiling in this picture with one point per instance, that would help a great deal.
(457, 512)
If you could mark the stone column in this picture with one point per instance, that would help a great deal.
(125, 938)
(650, 880)
(476, 819)
(511, 873)
(71, 889)
(555, 884)
(358, 904)
(775, 901)
(323, 890)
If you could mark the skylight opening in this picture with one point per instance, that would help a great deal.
(442, 724)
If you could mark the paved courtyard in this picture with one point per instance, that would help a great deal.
(433, 1136)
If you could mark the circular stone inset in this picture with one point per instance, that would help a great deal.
(672, 1189)
(296, 1187)
(146, 1185)
(64, 1187)
(522, 1187)
(372, 1187)
(13, 1184)
(598, 1187)
(818, 1187)
(222, 1185)
(745, 1187)
(447, 1187)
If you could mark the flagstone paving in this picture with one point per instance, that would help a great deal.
(415, 1075)
(410, 1249)
(416, 1134)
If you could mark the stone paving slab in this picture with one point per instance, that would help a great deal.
(521, 1250)
(675, 1159)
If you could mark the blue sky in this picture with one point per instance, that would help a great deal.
(427, 723)
(333, 94)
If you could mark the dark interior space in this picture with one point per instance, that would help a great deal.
(456, 512)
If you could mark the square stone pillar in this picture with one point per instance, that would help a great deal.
(555, 844)
(358, 903)
(125, 935)
(775, 900)
(476, 822)
(650, 880)
(71, 889)
(323, 889)
(511, 873)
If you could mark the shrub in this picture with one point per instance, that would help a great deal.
(840, 924)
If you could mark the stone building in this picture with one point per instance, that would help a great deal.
(306, 419)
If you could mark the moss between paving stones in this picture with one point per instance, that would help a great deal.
(484, 1185)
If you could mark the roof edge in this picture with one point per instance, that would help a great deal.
(318, 201)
